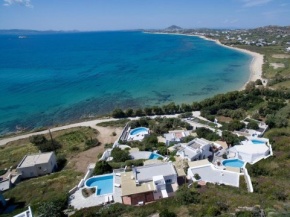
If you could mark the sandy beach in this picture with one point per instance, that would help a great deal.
(256, 64)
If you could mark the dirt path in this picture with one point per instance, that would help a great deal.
(81, 124)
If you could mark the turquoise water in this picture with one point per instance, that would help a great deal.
(154, 156)
(257, 142)
(48, 79)
(234, 163)
(104, 184)
(138, 130)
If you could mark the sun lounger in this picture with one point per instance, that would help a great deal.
(118, 174)
(117, 185)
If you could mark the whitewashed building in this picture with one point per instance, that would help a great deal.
(37, 165)
(196, 149)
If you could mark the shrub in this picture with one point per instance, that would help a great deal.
(253, 125)
(166, 213)
(213, 211)
(92, 143)
(61, 162)
(37, 139)
(120, 155)
(196, 176)
(114, 134)
(186, 196)
(102, 167)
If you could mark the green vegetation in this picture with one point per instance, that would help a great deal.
(119, 123)
(47, 192)
(120, 155)
(44, 189)
(102, 167)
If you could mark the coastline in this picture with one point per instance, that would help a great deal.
(256, 63)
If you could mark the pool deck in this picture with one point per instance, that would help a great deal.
(78, 201)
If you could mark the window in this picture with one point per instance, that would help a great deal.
(39, 168)
(168, 181)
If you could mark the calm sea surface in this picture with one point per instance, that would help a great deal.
(57, 78)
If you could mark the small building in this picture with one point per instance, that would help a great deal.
(175, 136)
(148, 183)
(37, 165)
(196, 149)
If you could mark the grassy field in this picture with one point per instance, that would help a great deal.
(45, 188)
(49, 187)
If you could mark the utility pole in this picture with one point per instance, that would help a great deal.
(51, 139)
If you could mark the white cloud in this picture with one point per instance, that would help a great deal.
(253, 3)
(26, 3)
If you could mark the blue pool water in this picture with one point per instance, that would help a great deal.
(138, 130)
(234, 163)
(154, 156)
(257, 142)
(104, 184)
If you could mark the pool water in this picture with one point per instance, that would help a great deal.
(234, 163)
(154, 156)
(104, 184)
(257, 142)
(139, 130)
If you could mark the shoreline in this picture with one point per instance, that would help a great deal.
(256, 63)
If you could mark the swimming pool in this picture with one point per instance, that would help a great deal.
(257, 142)
(103, 184)
(154, 156)
(233, 163)
(139, 130)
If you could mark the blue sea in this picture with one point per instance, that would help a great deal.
(49, 79)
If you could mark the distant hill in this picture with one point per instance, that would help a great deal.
(173, 28)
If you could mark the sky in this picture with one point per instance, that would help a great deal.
(94, 15)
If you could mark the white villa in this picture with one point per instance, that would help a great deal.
(251, 150)
(148, 183)
(196, 149)
(37, 165)
(251, 132)
(209, 173)
(175, 136)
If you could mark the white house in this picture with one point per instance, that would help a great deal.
(175, 136)
(196, 149)
(37, 165)
(251, 150)
(148, 183)
(209, 173)
(288, 49)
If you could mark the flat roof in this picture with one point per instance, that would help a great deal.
(129, 186)
(251, 149)
(209, 173)
(31, 160)
(145, 173)
(198, 163)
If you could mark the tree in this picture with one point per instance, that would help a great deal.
(129, 113)
(253, 125)
(258, 82)
(102, 167)
(120, 155)
(118, 113)
(235, 125)
(37, 139)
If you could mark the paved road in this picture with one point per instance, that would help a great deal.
(91, 124)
